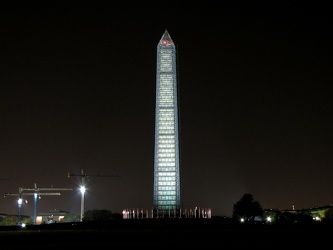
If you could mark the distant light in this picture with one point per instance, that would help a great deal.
(19, 201)
(82, 189)
(242, 220)
(23, 225)
(269, 219)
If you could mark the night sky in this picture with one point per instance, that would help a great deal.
(78, 92)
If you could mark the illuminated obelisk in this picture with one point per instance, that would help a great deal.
(167, 195)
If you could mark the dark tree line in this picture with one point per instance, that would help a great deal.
(247, 209)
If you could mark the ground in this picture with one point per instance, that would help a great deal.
(164, 233)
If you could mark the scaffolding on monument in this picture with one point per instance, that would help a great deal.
(140, 213)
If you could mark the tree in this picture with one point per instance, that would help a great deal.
(9, 221)
(71, 218)
(247, 208)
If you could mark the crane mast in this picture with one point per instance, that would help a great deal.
(83, 186)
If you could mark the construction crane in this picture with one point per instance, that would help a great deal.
(36, 192)
(83, 186)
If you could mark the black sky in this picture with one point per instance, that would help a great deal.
(78, 92)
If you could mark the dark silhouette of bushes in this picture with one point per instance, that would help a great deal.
(100, 215)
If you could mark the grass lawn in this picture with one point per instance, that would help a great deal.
(163, 233)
